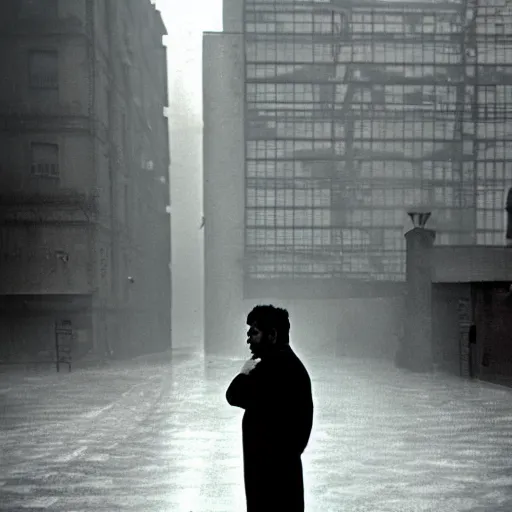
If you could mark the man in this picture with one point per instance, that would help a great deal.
(274, 388)
(472, 351)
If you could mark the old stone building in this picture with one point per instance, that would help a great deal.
(84, 192)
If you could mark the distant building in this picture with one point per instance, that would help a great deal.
(459, 309)
(337, 117)
(84, 161)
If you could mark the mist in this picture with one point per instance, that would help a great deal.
(260, 266)
(186, 22)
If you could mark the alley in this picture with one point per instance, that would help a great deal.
(162, 438)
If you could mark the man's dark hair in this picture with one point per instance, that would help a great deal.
(269, 317)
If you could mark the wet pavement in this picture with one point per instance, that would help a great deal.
(160, 437)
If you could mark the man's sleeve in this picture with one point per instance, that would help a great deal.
(294, 416)
(249, 390)
(240, 390)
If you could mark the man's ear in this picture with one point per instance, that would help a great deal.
(273, 336)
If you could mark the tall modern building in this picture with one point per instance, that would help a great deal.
(325, 123)
(84, 165)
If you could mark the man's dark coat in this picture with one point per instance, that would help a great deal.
(276, 426)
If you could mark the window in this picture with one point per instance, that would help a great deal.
(45, 160)
(38, 8)
(43, 70)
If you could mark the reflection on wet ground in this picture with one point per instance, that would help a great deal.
(164, 439)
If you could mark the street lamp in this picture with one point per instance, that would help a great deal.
(419, 219)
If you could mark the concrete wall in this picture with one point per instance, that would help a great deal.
(137, 241)
(369, 328)
(464, 293)
(452, 316)
(188, 246)
(224, 193)
(75, 163)
(456, 271)
(69, 104)
(471, 264)
(27, 325)
(30, 263)
(232, 16)
(71, 96)
(360, 328)
(107, 117)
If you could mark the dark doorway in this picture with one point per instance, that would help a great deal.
(493, 325)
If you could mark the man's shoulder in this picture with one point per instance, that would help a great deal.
(293, 355)
(295, 363)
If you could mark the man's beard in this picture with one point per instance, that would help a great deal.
(260, 351)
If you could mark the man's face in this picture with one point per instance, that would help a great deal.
(258, 341)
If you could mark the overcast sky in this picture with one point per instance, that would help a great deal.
(186, 20)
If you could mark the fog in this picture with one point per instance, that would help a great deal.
(186, 22)
(345, 163)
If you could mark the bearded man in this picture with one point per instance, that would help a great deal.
(274, 388)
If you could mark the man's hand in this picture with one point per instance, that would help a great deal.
(249, 366)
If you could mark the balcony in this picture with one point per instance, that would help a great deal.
(47, 116)
(53, 108)
(60, 207)
(69, 26)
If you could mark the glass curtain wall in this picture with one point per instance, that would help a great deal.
(357, 113)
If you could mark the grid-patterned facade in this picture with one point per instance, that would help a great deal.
(356, 113)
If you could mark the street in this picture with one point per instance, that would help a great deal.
(160, 437)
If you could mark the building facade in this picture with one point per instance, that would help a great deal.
(84, 192)
(356, 113)
(338, 118)
(459, 309)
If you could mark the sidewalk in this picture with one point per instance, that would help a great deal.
(17, 372)
(78, 392)
(383, 440)
(36, 398)
(62, 414)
